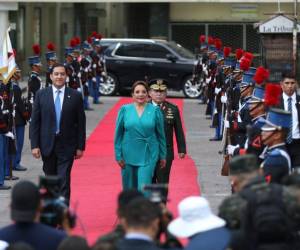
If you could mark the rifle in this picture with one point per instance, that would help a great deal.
(226, 140)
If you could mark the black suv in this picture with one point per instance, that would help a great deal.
(129, 60)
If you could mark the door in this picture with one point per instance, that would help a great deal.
(128, 63)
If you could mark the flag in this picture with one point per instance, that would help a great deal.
(7, 59)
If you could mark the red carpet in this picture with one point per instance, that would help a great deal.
(96, 179)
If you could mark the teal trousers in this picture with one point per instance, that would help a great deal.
(135, 177)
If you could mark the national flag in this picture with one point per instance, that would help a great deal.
(7, 59)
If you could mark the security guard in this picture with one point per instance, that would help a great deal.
(158, 93)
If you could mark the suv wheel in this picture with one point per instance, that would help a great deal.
(191, 89)
(110, 86)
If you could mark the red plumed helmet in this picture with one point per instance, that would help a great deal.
(77, 40)
(245, 64)
(218, 43)
(211, 40)
(238, 53)
(36, 49)
(51, 46)
(272, 94)
(73, 43)
(227, 51)
(15, 52)
(202, 38)
(99, 36)
(261, 75)
(94, 34)
(90, 39)
(248, 55)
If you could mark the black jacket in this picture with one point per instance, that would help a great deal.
(72, 122)
(39, 236)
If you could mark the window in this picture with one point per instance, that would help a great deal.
(155, 51)
(130, 50)
(37, 25)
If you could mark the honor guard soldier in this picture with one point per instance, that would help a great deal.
(72, 80)
(4, 128)
(51, 60)
(257, 110)
(158, 93)
(34, 81)
(277, 162)
(9, 149)
(21, 116)
(87, 78)
(98, 68)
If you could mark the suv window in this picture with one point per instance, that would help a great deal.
(130, 50)
(155, 51)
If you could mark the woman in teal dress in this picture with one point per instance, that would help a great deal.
(139, 139)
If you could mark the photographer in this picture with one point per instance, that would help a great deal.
(25, 212)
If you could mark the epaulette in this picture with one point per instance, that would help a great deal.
(171, 104)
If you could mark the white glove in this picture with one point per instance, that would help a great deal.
(205, 71)
(224, 99)
(5, 111)
(217, 90)
(232, 148)
(10, 134)
(94, 65)
(79, 89)
(208, 80)
(79, 74)
(86, 70)
(94, 79)
(104, 73)
(226, 124)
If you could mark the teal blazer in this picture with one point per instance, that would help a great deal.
(140, 141)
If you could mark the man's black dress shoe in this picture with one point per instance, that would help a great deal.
(5, 187)
(19, 168)
(215, 139)
(13, 178)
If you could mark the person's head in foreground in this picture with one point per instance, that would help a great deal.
(25, 202)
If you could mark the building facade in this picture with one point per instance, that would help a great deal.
(183, 22)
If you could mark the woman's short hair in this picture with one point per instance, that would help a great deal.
(137, 83)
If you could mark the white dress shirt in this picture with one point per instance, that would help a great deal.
(61, 95)
(295, 133)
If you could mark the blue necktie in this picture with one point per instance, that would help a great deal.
(290, 134)
(57, 110)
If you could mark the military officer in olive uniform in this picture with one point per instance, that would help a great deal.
(158, 93)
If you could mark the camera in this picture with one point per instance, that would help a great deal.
(157, 192)
(54, 206)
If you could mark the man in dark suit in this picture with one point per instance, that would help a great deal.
(290, 101)
(158, 94)
(57, 128)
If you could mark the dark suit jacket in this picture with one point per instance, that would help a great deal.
(72, 122)
(281, 105)
(173, 123)
(37, 235)
(136, 244)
